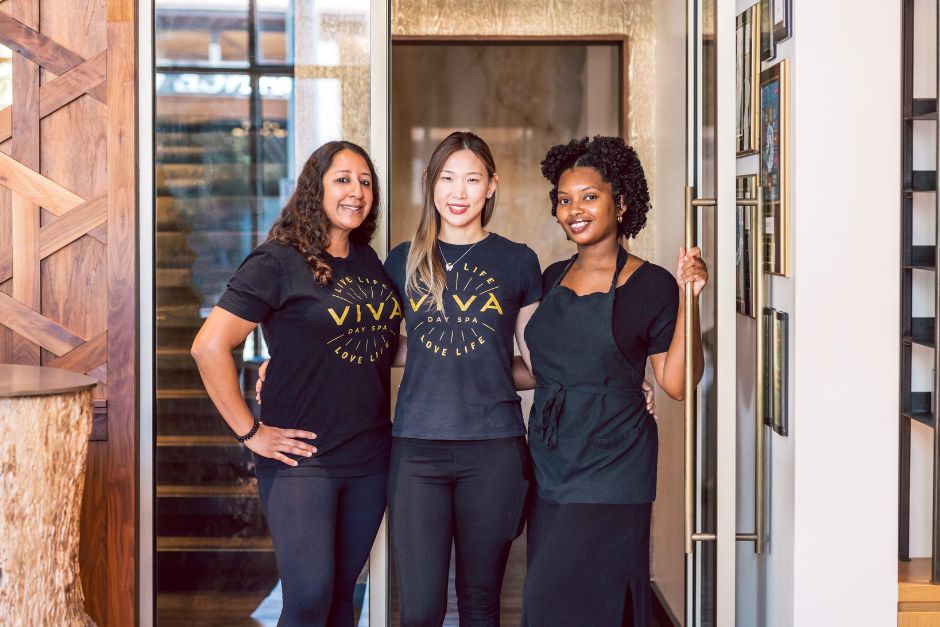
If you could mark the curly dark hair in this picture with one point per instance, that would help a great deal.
(304, 225)
(617, 163)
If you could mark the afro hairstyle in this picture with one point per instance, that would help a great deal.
(617, 163)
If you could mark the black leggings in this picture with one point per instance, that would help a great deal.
(323, 529)
(469, 493)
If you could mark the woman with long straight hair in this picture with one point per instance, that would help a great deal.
(594, 445)
(331, 320)
(459, 472)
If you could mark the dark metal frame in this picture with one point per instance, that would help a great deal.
(919, 406)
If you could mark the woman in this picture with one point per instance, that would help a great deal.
(459, 472)
(331, 320)
(593, 444)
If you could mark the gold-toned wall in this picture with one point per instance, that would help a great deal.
(558, 18)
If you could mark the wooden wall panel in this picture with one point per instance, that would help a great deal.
(68, 271)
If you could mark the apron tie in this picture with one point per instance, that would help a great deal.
(551, 414)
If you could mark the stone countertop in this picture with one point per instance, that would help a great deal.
(18, 381)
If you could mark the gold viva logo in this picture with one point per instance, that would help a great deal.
(474, 292)
(368, 334)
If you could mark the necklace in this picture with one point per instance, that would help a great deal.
(449, 265)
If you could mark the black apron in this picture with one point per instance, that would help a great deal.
(591, 437)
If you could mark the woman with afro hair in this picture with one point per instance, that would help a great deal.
(593, 442)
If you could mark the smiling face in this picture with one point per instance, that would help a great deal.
(586, 209)
(462, 188)
(347, 191)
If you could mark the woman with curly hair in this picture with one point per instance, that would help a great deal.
(331, 319)
(593, 443)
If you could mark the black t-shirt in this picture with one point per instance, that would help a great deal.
(458, 378)
(331, 352)
(645, 309)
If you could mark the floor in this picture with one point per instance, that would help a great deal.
(223, 610)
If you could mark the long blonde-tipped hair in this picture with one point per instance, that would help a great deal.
(424, 272)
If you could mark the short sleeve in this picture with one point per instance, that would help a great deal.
(531, 278)
(257, 288)
(663, 324)
(395, 266)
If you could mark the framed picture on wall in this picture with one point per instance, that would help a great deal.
(746, 188)
(782, 20)
(747, 69)
(768, 48)
(774, 129)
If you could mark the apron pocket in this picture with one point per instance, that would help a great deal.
(625, 439)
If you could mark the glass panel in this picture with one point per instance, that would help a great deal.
(522, 99)
(225, 166)
(210, 33)
(273, 31)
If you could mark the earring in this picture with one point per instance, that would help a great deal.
(620, 217)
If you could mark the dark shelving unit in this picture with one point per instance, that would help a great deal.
(916, 331)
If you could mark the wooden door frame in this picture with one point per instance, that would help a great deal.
(621, 41)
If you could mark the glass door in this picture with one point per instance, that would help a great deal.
(244, 90)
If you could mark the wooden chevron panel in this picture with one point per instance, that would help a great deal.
(68, 170)
(36, 187)
(85, 357)
(74, 83)
(85, 219)
(73, 225)
(35, 46)
(36, 327)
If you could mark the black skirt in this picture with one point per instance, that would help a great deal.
(588, 564)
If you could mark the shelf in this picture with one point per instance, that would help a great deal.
(922, 333)
(923, 417)
(923, 258)
(922, 181)
(920, 409)
(923, 109)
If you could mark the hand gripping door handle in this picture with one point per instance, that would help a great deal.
(691, 445)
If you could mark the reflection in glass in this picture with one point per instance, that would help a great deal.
(272, 31)
(228, 115)
(212, 33)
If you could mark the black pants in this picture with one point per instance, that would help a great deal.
(468, 493)
(323, 529)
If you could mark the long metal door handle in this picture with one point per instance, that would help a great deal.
(691, 536)
(760, 298)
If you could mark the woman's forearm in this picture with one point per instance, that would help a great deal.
(220, 377)
(522, 378)
(672, 379)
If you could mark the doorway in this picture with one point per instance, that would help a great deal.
(522, 96)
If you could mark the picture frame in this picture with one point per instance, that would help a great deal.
(774, 170)
(782, 20)
(745, 189)
(768, 47)
(747, 89)
(767, 392)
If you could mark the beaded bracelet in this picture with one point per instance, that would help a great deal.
(250, 434)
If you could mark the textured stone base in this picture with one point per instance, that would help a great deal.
(43, 449)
